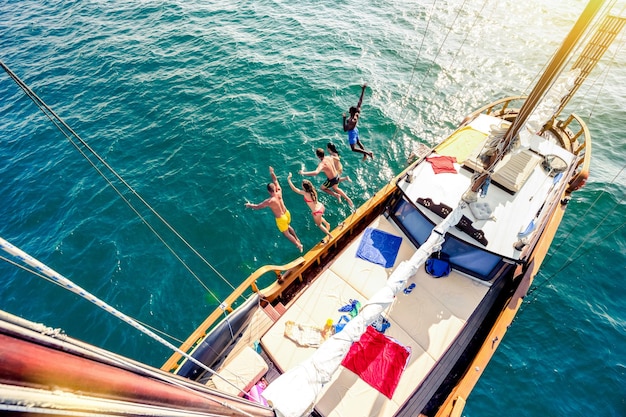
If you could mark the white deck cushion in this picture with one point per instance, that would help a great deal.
(243, 371)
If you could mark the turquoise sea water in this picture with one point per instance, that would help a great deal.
(190, 102)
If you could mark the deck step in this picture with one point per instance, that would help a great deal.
(274, 312)
(280, 308)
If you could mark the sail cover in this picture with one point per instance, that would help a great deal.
(293, 394)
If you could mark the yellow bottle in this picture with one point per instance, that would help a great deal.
(329, 329)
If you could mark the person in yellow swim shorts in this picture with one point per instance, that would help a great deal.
(277, 205)
(283, 221)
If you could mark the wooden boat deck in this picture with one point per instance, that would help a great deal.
(436, 311)
(427, 320)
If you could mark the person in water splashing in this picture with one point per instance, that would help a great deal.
(277, 205)
(349, 125)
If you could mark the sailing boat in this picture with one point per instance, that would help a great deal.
(397, 315)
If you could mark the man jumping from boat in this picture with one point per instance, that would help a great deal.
(331, 185)
(277, 205)
(349, 125)
(332, 150)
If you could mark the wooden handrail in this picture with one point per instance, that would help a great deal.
(274, 268)
(490, 108)
(201, 331)
(295, 270)
(493, 109)
(584, 164)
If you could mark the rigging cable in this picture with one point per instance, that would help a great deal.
(588, 35)
(572, 257)
(479, 14)
(68, 132)
(69, 285)
(605, 74)
(600, 89)
(32, 271)
(404, 112)
(42, 276)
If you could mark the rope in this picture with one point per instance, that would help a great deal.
(69, 285)
(567, 263)
(69, 133)
(404, 112)
(588, 35)
(480, 12)
(612, 63)
(566, 238)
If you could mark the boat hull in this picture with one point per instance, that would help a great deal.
(454, 403)
(444, 391)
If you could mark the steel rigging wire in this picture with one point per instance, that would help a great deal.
(72, 136)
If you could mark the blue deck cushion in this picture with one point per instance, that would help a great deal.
(379, 247)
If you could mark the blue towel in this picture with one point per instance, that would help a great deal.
(379, 247)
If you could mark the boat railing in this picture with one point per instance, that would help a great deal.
(301, 269)
(575, 137)
(250, 284)
(579, 146)
(499, 108)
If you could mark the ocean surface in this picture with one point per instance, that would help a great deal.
(191, 101)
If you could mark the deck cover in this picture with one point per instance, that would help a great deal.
(241, 374)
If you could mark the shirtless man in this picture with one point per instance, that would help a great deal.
(277, 205)
(331, 185)
(336, 159)
(349, 125)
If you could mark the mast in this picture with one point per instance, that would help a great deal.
(41, 379)
(553, 70)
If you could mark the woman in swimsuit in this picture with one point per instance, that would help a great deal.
(317, 208)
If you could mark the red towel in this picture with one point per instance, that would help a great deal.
(442, 163)
(378, 360)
